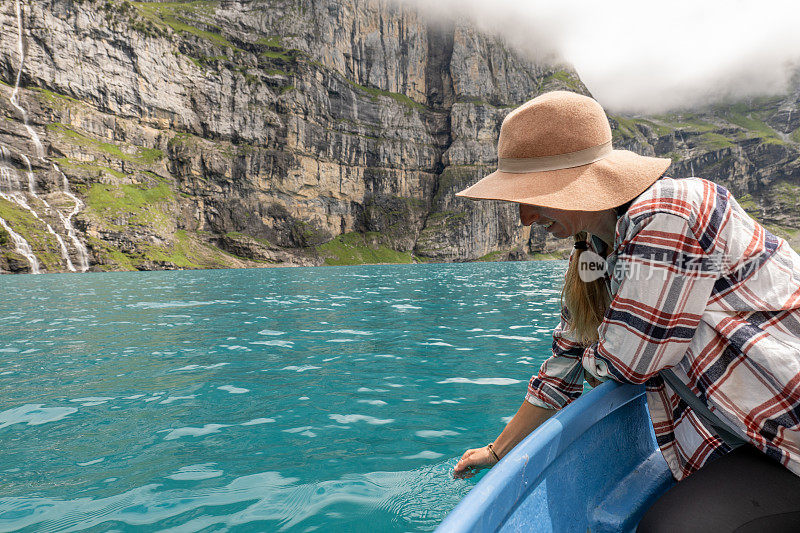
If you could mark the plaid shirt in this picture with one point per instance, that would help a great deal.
(698, 286)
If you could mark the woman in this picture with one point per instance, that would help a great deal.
(698, 302)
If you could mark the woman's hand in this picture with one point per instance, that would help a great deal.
(528, 418)
(473, 461)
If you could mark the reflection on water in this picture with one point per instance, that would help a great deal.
(293, 399)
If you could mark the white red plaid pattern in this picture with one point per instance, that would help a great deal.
(698, 286)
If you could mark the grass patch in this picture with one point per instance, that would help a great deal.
(785, 192)
(142, 156)
(53, 99)
(629, 127)
(187, 251)
(175, 14)
(626, 128)
(660, 129)
(563, 77)
(114, 199)
(235, 235)
(445, 216)
(89, 168)
(687, 122)
(715, 141)
(109, 258)
(121, 206)
(273, 54)
(273, 41)
(755, 127)
(180, 253)
(355, 249)
(497, 255)
(748, 203)
(376, 93)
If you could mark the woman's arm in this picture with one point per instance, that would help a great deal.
(528, 418)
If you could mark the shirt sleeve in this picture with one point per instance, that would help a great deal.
(665, 279)
(560, 378)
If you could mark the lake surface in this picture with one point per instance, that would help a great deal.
(304, 399)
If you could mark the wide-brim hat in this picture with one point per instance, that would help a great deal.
(555, 151)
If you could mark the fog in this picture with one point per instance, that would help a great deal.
(649, 57)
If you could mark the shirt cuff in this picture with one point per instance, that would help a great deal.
(595, 366)
(539, 399)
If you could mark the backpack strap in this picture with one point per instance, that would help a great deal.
(699, 407)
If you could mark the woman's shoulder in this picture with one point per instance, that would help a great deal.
(701, 203)
(683, 197)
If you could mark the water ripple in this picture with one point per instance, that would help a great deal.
(34, 415)
(410, 497)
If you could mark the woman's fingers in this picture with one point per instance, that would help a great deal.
(472, 461)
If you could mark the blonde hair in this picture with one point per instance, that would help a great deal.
(586, 303)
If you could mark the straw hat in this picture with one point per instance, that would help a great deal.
(555, 151)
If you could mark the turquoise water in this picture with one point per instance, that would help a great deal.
(325, 399)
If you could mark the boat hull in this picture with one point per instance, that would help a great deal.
(595, 466)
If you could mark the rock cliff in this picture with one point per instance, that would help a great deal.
(153, 135)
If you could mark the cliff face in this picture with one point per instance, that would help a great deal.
(258, 132)
(200, 134)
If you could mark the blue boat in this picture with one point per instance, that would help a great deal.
(595, 466)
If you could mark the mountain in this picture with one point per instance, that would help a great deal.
(159, 135)
(216, 134)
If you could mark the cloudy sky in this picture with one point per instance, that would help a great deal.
(642, 56)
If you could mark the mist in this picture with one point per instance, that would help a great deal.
(646, 57)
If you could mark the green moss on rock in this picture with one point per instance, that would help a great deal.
(548, 256)
(112, 199)
(140, 155)
(360, 248)
(187, 250)
(107, 257)
(179, 16)
(565, 78)
(88, 168)
(748, 203)
(497, 255)
(375, 93)
(715, 141)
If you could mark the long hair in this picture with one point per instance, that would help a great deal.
(586, 302)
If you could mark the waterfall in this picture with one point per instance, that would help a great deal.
(11, 188)
(14, 100)
(83, 254)
(18, 199)
(22, 246)
(9, 181)
(21, 201)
